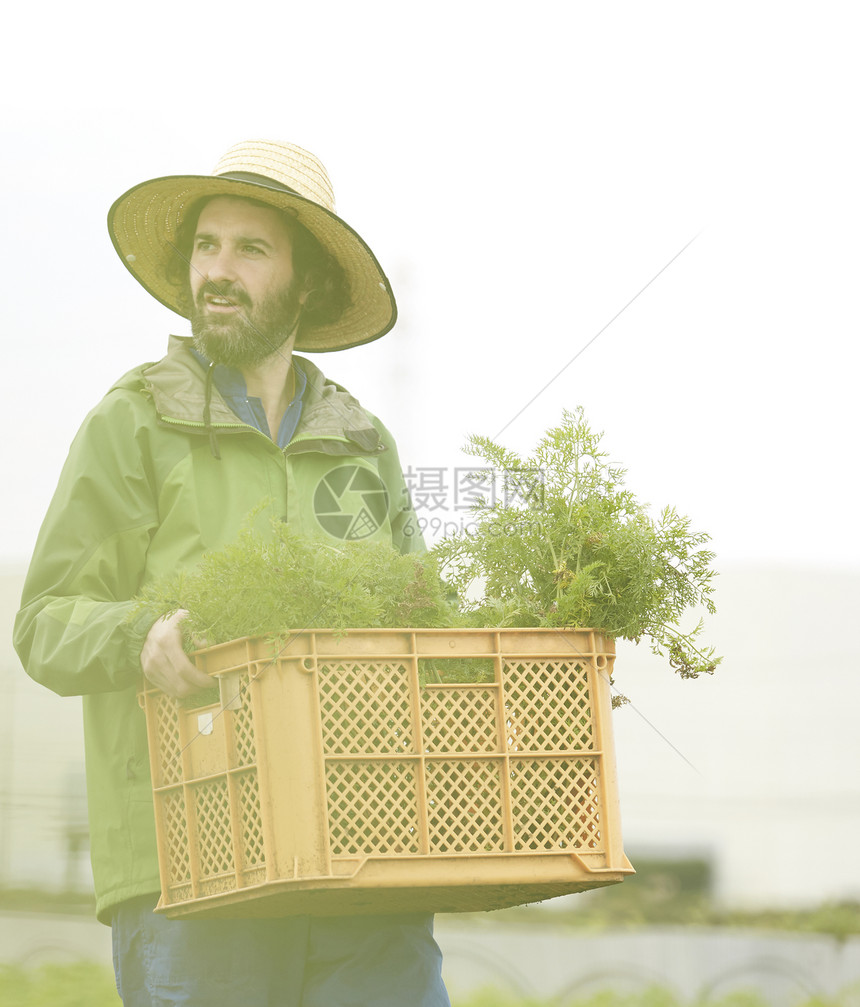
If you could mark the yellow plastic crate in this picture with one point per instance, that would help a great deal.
(336, 776)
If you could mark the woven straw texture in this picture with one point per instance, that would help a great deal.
(143, 224)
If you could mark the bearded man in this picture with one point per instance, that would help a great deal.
(170, 465)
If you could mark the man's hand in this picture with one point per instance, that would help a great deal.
(166, 664)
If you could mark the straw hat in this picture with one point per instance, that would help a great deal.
(143, 224)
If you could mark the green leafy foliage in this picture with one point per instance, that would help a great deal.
(572, 547)
(80, 984)
(271, 585)
(579, 550)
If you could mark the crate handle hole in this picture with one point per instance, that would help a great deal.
(230, 689)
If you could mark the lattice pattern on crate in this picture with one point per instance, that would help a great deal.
(243, 727)
(365, 707)
(556, 804)
(179, 893)
(548, 706)
(169, 760)
(459, 720)
(214, 837)
(464, 806)
(253, 847)
(176, 831)
(412, 768)
(217, 885)
(372, 807)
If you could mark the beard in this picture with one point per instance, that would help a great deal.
(250, 335)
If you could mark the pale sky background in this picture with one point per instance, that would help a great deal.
(521, 172)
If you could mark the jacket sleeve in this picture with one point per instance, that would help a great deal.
(72, 632)
(406, 533)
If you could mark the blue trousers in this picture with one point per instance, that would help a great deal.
(343, 961)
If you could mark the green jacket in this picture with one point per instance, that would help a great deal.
(142, 494)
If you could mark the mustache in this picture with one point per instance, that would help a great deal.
(231, 291)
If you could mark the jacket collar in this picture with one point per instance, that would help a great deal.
(177, 384)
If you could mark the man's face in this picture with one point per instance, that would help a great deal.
(243, 294)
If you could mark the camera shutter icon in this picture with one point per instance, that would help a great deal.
(351, 502)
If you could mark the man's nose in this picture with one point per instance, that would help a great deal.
(222, 267)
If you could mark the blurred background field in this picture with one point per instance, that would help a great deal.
(86, 984)
(657, 940)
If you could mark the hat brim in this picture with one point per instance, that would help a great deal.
(143, 223)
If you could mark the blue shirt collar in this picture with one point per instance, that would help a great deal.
(248, 408)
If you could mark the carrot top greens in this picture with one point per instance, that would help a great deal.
(563, 543)
(566, 544)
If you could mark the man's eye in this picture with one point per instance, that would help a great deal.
(203, 246)
(252, 250)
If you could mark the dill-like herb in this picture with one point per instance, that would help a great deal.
(575, 550)
(580, 550)
(271, 585)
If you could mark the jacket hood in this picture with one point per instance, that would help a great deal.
(177, 386)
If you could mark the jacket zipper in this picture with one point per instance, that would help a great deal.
(196, 425)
